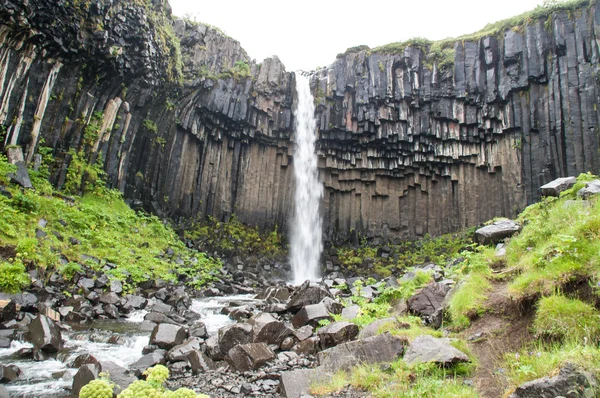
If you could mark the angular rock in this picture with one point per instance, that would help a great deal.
(109, 298)
(118, 375)
(307, 294)
(8, 310)
(267, 329)
(382, 348)
(278, 293)
(591, 188)
(84, 375)
(245, 357)
(337, 333)
(304, 332)
(200, 363)
(134, 303)
(333, 307)
(570, 382)
(428, 303)
(167, 335)
(425, 349)
(349, 313)
(310, 346)
(311, 314)
(554, 188)
(380, 325)
(497, 232)
(9, 373)
(232, 335)
(147, 361)
(45, 335)
(180, 352)
(296, 383)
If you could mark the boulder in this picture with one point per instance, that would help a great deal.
(232, 335)
(267, 329)
(245, 357)
(44, 334)
(133, 302)
(382, 348)
(21, 176)
(497, 231)
(591, 188)
(428, 303)
(4, 392)
(349, 313)
(426, 349)
(554, 188)
(198, 329)
(211, 347)
(9, 373)
(84, 375)
(310, 346)
(570, 382)
(167, 335)
(181, 351)
(376, 327)
(296, 383)
(274, 293)
(304, 332)
(337, 333)
(200, 363)
(109, 298)
(333, 307)
(311, 314)
(147, 361)
(8, 310)
(118, 375)
(307, 294)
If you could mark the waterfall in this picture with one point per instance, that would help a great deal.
(306, 243)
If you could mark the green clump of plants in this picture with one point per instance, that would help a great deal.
(13, 276)
(565, 319)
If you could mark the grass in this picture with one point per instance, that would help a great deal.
(565, 319)
(103, 228)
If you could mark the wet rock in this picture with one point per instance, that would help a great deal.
(497, 232)
(45, 334)
(570, 382)
(162, 308)
(49, 312)
(180, 352)
(428, 303)
(426, 349)
(381, 325)
(147, 361)
(167, 336)
(200, 363)
(267, 329)
(84, 375)
(9, 373)
(306, 294)
(8, 310)
(212, 349)
(245, 357)
(311, 314)
(232, 335)
(84, 359)
(111, 311)
(198, 330)
(382, 348)
(337, 333)
(118, 375)
(591, 188)
(554, 188)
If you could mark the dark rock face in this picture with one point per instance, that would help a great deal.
(406, 147)
(570, 382)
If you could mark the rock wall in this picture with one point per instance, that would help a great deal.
(185, 124)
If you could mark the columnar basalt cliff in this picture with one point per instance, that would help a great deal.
(187, 125)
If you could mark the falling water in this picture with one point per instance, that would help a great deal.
(306, 244)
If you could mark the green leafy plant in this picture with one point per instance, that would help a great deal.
(13, 276)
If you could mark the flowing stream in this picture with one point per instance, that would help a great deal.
(53, 378)
(306, 240)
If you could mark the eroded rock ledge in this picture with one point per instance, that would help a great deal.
(187, 125)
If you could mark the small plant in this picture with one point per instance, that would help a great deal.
(150, 125)
(13, 276)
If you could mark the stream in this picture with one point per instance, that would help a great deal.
(53, 378)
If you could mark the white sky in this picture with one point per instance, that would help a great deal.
(310, 33)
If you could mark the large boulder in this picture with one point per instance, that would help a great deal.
(181, 351)
(307, 294)
(118, 375)
(554, 188)
(274, 293)
(570, 382)
(296, 383)
(497, 231)
(591, 188)
(156, 357)
(200, 363)
(428, 303)
(426, 349)
(84, 375)
(8, 310)
(245, 357)
(9, 373)
(337, 333)
(45, 334)
(167, 335)
(311, 314)
(382, 348)
(267, 329)
(232, 335)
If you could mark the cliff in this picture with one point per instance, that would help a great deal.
(412, 139)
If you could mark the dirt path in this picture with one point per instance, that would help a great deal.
(504, 328)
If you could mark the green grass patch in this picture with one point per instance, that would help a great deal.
(564, 319)
(13, 276)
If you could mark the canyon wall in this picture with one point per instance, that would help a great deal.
(185, 124)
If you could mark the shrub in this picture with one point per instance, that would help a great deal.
(561, 318)
(13, 276)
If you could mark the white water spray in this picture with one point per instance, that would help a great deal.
(306, 240)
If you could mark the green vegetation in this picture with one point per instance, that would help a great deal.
(564, 319)
(151, 387)
(235, 238)
(89, 231)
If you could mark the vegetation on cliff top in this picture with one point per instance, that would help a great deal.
(43, 229)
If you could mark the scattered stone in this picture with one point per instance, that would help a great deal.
(381, 325)
(167, 336)
(84, 375)
(180, 352)
(306, 294)
(337, 333)
(267, 329)
(311, 314)
(554, 188)
(591, 188)
(245, 357)
(296, 383)
(9, 373)
(309, 346)
(200, 363)
(382, 348)
(426, 349)
(232, 335)
(428, 303)
(147, 361)
(44, 334)
(333, 307)
(304, 332)
(570, 382)
(498, 231)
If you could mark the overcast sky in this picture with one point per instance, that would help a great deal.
(309, 33)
